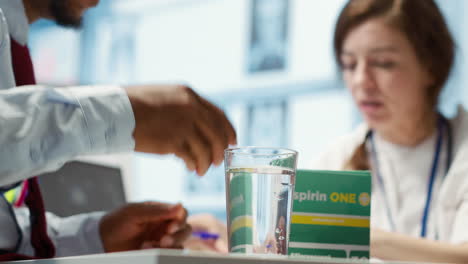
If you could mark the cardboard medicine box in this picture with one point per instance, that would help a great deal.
(331, 214)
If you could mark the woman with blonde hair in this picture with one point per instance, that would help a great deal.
(395, 57)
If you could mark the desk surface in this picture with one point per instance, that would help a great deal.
(185, 257)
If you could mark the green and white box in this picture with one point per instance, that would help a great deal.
(240, 209)
(331, 214)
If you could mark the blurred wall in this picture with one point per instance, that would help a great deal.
(296, 100)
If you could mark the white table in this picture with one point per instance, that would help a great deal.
(185, 257)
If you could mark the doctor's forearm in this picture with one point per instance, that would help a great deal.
(43, 127)
(393, 246)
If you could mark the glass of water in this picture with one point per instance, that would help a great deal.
(259, 191)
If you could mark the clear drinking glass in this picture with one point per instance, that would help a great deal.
(259, 191)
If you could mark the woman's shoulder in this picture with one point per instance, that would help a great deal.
(459, 128)
(340, 150)
(456, 184)
(460, 120)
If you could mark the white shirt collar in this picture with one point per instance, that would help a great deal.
(16, 18)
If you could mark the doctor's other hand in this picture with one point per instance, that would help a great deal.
(209, 224)
(144, 225)
(173, 119)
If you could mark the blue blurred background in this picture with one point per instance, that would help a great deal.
(267, 63)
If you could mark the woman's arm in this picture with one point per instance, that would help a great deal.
(393, 246)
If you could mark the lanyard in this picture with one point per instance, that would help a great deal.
(442, 123)
(19, 195)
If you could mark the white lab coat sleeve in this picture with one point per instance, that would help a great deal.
(72, 236)
(6, 68)
(41, 128)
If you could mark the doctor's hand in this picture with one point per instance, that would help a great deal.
(173, 119)
(144, 225)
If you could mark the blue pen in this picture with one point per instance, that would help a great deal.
(205, 235)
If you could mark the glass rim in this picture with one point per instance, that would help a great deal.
(283, 151)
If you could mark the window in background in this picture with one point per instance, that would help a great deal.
(268, 35)
(55, 52)
(267, 123)
(208, 43)
(121, 59)
(450, 97)
(295, 101)
(317, 120)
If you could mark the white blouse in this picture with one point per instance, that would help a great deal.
(405, 172)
